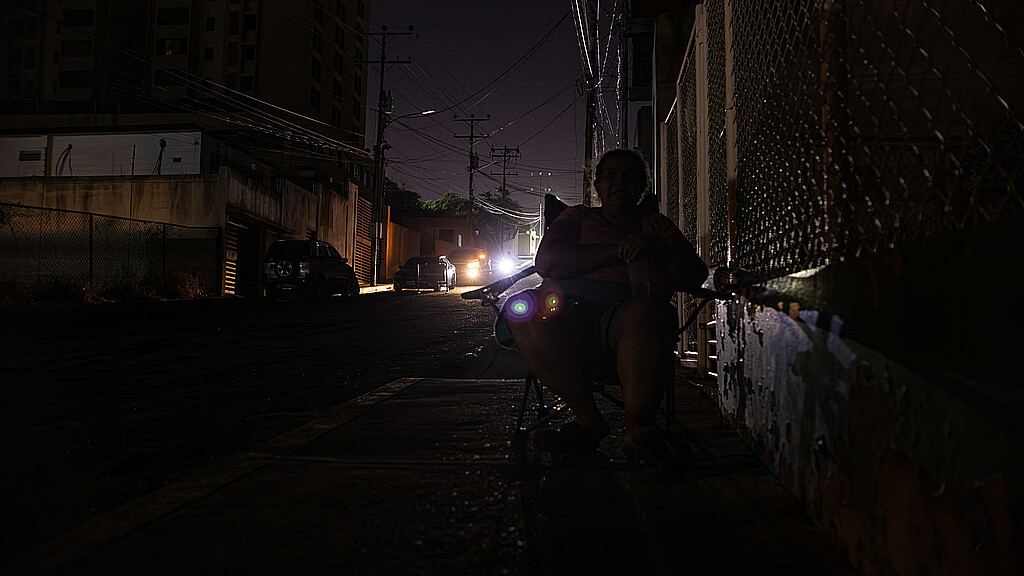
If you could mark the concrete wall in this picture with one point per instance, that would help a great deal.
(184, 200)
(884, 392)
(403, 243)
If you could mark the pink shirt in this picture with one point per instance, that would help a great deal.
(593, 229)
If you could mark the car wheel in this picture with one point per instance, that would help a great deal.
(353, 289)
(454, 281)
(284, 268)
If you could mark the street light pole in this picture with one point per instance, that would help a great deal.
(377, 238)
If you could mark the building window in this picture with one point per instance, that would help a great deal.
(75, 78)
(339, 9)
(30, 155)
(314, 98)
(232, 80)
(316, 70)
(211, 24)
(336, 116)
(76, 48)
(30, 58)
(171, 46)
(336, 88)
(356, 111)
(318, 42)
(233, 24)
(246, 83)
(249, 22)
(339, 36)
(232, 53)
(357, 83)
(208, 54)
(446, 235)
(172, 16)
(318, 12)
(361, 8)
(78, 18)
(248, 51)
(339, 63)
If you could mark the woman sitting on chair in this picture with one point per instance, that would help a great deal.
(608, 273)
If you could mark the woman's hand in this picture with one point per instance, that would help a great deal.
(632, 247)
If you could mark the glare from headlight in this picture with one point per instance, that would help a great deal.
(473, 265)
(506, 266)
(471, 272)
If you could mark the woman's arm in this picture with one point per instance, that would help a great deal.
(676, 259)
(560, 256)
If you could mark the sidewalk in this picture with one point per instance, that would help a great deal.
(425, 476)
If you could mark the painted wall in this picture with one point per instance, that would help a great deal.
(885, 392)
(185, 200)
(403, 243)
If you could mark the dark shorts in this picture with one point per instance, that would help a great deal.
(594, 301)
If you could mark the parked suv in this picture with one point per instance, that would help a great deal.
(309, 268)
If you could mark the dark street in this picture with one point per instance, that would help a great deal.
(113, 401)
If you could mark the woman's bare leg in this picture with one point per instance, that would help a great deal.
(550, 351)
(641, 334)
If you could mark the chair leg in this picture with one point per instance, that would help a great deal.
(530, 379)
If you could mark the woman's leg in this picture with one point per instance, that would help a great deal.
(551, 351)
(642, 335)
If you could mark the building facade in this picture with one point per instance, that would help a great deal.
(266, 97)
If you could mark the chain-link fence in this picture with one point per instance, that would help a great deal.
(41, 245)
(859, 125)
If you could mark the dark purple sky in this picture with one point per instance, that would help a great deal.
(459, 46)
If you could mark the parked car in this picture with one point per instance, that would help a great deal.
(309, 268)
(472, 265)
(425, 272)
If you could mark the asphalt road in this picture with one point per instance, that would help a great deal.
(105, 403)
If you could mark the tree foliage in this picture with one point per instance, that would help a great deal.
(451, 204)
(401, 198)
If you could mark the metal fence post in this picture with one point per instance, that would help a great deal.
(703, 172)
(91, 227)
(730, 136)
(163, 255)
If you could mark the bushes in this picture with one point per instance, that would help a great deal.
(175, 286)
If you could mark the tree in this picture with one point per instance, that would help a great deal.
(450, 204)
(400, 198)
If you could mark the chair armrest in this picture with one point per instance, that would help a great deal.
(490, 293)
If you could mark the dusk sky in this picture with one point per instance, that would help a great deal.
(458, 49)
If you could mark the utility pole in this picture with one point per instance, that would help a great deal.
(623, 76)
(378, 238)
(473, 163)
(506, 156)
(592, 80)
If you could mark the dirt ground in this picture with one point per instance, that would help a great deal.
(104, 403)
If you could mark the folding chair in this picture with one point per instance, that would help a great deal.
(491, 293)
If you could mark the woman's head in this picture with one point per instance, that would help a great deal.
(620, 178)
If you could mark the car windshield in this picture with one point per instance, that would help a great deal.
(464, 255)
(291, 248)
(421, 260)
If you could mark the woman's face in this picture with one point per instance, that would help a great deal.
(620, 183)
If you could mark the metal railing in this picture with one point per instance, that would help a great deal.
(39, 245)
(840, 127)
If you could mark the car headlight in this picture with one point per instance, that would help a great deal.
(473, 265)
(506, 266)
